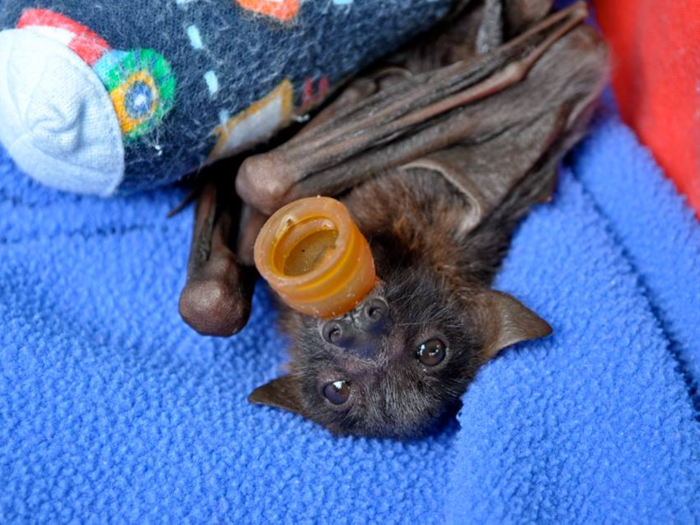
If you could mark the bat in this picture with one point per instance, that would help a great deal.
(438, 153)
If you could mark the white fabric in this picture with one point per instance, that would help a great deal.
(56, 118)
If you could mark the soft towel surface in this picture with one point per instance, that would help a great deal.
(111, 407)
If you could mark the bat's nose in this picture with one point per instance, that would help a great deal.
(372, 314)
(359, 331)
(338, 332)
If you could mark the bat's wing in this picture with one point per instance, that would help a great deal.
(482, 121)
(485, 173)
(505, 107)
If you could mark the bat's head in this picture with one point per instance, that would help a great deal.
(400, 359)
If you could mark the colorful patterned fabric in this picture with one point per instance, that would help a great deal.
(188, 81)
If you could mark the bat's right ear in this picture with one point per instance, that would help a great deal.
(509, 321)
(283, 392)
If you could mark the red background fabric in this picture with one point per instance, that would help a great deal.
(656, 78)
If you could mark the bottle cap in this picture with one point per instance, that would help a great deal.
(315, 257)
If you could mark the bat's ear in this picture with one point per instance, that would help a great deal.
(283, 392)
(509, 321)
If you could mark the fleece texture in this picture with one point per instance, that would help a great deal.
(112, 97)
(111, 408)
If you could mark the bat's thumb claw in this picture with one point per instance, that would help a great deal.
(210, 308)
(260, 183)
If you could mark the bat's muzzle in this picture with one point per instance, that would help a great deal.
(360, 330)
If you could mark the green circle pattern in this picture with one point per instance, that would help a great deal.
(158, 69)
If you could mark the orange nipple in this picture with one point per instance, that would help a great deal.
(314, 256)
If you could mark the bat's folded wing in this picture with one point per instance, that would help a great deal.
(548, 76)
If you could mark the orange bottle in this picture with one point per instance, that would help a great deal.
(314, 256)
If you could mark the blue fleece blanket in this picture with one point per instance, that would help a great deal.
(111, 407)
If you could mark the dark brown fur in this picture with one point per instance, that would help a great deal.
(430, 282)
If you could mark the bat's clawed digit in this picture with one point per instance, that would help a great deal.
(217, 297)
(262, 184)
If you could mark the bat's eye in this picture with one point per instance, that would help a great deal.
(337, 392)
(432, 352)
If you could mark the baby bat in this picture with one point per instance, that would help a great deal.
(438, 155)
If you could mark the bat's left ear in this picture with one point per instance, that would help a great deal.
(283, 392)
(508, 322)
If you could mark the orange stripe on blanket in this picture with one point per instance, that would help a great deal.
(281, 9)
